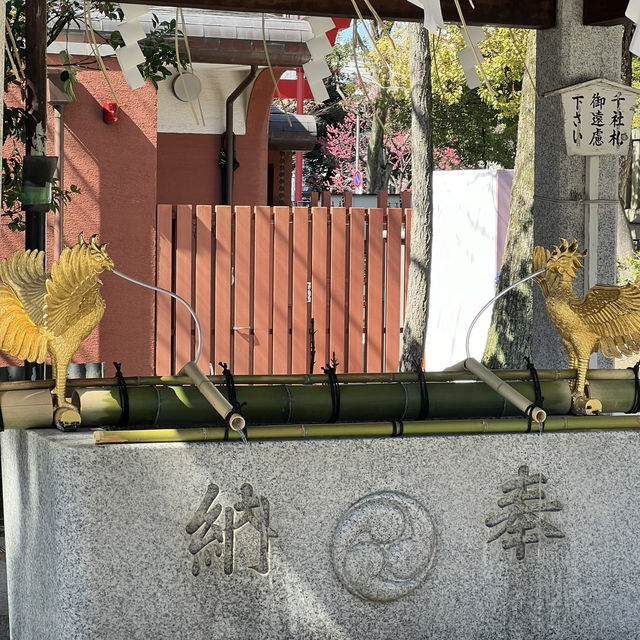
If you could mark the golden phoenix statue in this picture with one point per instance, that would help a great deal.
(607, 319)
(52, 313)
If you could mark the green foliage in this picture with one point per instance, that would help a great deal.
(470, 126)
(635, 82)
(70, 74)
(628, 269)
(157, 48)
(480, 125)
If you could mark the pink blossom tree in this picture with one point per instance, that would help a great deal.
(339, 144)
(338, 148)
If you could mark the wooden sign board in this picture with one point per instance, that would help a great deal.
(597, 117)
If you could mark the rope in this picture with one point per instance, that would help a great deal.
(334, 388)
(231, 397)
(124, 395)
(398, 428)
(424, 394)
(537, 393)
(635, 407)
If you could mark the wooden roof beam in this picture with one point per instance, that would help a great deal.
(246, 52)
(598, 13)
(530, 14)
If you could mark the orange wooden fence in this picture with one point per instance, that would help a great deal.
(279, 290)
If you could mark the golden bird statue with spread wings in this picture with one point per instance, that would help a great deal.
(52, 313)
(607, 319)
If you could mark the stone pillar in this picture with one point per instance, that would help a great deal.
(568, 54)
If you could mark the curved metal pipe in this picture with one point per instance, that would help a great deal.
(229, 137)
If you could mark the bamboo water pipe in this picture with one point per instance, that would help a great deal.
(222, 406)
(172, 405)
(157, 403)
(503, 388)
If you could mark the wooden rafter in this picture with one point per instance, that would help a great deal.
(512, 13)
(601, 13)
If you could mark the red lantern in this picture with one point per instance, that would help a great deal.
(110, 112)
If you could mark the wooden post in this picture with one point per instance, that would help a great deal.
(299, 110)
(36, 107)
(36, 125)
(592, 170)
(591, 179)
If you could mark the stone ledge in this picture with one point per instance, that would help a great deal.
(364, 538)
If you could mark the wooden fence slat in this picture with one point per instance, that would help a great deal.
(184, 253)
(339, 290)
(222, 309)
(393, 285)
(281, 282)
(262, 310)
(375, 249)
(355, 362)
(319, 282)
(242, 292)
(164, 346)
(299, 305)
(204, 262)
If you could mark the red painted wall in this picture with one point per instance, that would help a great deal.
(115, 167)
(188, 170)
(250, 182)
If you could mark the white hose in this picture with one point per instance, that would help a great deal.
(486, 306)
(176, 297)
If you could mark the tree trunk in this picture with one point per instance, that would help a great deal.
(509, 339)
(377, 169)
(626, 162)
(415, 325)
(377, 173)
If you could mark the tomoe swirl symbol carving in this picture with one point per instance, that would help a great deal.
(383, 547)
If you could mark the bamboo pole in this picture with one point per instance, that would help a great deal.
(282, 404)
(311, 379)
(367, 430)
(26, 408)
(163, 404)
(222, 406)
(504, 389)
